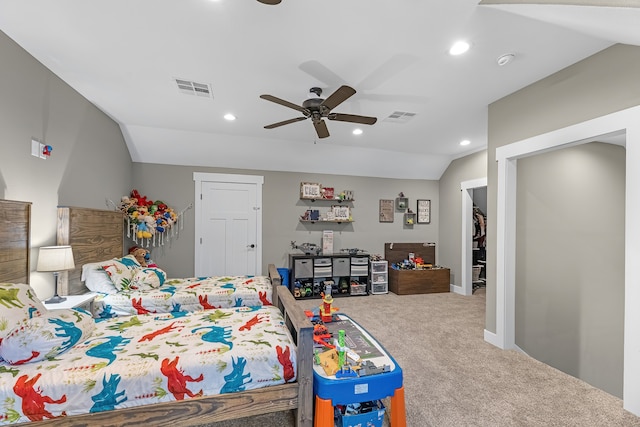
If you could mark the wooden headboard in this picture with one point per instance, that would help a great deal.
(15, 241)
(398, 252)
(95, 235)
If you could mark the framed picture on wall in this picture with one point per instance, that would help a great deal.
(386, 210)
(310, 190)
(341, 213)
(424, 211)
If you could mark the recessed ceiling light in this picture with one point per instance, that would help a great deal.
(465, 142)
(505, 59)
(357, 131)
(229, 117)
(459, 48)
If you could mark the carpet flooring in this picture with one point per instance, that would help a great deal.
(453, 378)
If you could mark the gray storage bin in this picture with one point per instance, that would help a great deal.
(359, 260)
(341, 267)
(303, 268)
(359, 270)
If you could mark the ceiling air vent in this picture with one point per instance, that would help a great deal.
(193, 88)
(399, 117)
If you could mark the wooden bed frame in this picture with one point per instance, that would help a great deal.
(296, 396)
(95, 235)
(15, 222)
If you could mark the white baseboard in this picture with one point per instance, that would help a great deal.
(456, 289)
(518, 349)
(492, 338)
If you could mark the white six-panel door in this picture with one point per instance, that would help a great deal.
(228, 226)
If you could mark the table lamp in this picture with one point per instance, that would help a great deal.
(55, 259)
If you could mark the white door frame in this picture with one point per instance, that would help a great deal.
(466, 189)
(507, 158)
(199, 178)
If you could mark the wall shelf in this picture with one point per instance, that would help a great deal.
(337, 213)
(326, 221)
(319, 199)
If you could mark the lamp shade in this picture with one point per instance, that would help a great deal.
(55, 258)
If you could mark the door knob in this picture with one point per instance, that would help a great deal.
(251, 246)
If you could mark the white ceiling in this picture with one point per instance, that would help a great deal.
(124, 55)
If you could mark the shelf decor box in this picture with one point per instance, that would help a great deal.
(327, 192)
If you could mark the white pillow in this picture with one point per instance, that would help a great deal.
(96, 279)
(148, 278)
(19, 302)
(46, 336)
(121, 271)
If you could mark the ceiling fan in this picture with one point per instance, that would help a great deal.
(318, 108)
(272, 2)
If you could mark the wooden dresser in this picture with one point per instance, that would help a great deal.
(406, 282)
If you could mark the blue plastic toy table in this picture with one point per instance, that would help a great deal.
(330, 391)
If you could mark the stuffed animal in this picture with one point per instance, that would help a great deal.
(147, 219)
(142, 255)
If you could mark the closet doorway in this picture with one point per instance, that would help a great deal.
(474, 193)
(610, 125)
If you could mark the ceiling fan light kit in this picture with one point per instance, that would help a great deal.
(318, 108)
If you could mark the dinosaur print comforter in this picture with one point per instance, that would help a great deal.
(186, 295)
(146, 359)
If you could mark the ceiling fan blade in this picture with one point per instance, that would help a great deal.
(389, 69)
(321, 128)
(352, 118)
(321, 73)
(338, 97)
(286, 122)
(412, 99)
(284, 103)
(270, 1)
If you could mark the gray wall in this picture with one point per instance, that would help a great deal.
(601, 84)
(89, 162)
(460, 170)
(282, 209)
(570, 261)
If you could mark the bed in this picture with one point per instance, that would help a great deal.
(172, 396)
(184, 295)
(97, 238)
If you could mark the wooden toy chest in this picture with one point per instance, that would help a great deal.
(406, 282)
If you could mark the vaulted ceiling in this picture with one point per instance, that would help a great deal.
(127, 57)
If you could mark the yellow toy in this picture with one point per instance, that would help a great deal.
(329, 361)
(326, 311)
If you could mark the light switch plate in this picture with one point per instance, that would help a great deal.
(35, 148)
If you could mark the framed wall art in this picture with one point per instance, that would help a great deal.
(309, 190)
(341, 213)
(424, 211)
(386, 210)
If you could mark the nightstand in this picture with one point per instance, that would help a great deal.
(73, 301)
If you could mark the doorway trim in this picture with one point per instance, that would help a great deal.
(625, 121)
(466, 190)
(257, 180)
